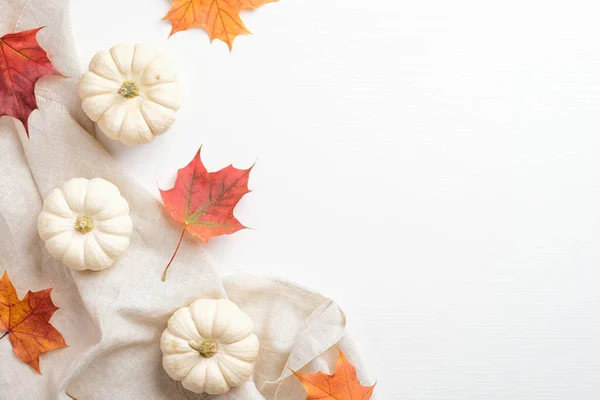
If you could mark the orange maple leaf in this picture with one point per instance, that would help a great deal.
(22, 63)
(204, 201)
(220, 18)
(26, 322)
(343, 385)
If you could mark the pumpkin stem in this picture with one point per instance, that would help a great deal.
(84, 225)
(207, 349)
(129, 90)
(164, 277)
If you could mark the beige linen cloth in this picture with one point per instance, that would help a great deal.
(112, 320)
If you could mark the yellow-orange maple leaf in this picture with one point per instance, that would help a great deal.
(220, 18)
(27, 322)
(343, 385)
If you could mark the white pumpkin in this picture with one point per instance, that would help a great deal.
(131, 92)
(209, 346)
(85, 224)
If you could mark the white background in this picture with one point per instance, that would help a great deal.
(433, 166)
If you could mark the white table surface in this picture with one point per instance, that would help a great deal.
(433, 166)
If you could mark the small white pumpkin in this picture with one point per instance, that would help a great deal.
(209, 346)
(131, 92)
(85, 224)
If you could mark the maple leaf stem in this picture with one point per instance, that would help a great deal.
(5, 333)
(164, 277)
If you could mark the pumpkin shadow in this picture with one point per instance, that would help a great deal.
(234, 394)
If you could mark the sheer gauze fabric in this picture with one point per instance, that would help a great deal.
(112, 320)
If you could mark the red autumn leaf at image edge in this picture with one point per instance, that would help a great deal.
(22, 63)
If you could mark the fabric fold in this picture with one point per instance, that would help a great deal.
(298, 329)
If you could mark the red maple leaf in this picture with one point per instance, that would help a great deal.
(204, 201)
(22, 63)
(27, 322)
